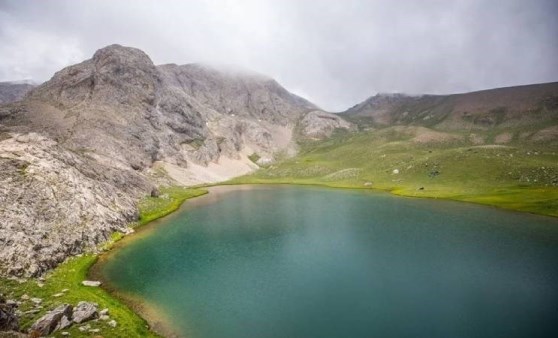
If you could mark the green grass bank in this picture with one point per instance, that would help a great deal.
(69, 275)
(413, 161)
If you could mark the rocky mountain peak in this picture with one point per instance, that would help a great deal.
(118, 54)
(102, 132)
(114, 75)
(234, 92)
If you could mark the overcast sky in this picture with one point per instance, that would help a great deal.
(335, 53)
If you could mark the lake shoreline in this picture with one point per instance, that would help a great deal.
(156, 318)
(399, 192)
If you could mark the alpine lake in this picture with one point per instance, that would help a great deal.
(305, 262)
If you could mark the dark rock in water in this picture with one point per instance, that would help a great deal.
(85, 311)
(155, 192)
(8, 318)
(50, 322)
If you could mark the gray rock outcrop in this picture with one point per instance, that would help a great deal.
(84, 312)
(51, 321)
(8, 318)
(318, 124)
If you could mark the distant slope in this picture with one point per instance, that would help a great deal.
(497, 147)
(13, 91)
(521, 106)
(420, 162)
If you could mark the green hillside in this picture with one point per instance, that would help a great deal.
(422, 162)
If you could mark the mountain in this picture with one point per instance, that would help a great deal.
(14, 90)
(497, 147)
(522, 106)
(79, 150)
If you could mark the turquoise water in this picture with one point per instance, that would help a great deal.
(311, 262)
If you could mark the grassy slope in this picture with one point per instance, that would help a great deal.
(70, 274)
(518, 177)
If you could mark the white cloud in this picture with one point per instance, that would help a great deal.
(335, 53)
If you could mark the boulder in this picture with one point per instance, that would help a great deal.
(8, 318)
(93, 283)
(155, 192)
(65, 322)
(50, 321)
(84, 312)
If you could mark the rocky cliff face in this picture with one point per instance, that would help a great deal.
(77, 152)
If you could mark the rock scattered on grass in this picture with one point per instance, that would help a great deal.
(92, 283)
(65, 322)
(85, 311)
(50, 321)
(64, 316)
(84, 328)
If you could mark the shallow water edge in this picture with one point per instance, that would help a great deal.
(157, 319)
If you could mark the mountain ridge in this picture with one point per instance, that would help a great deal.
(78, 151)
(514, 106)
